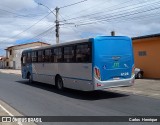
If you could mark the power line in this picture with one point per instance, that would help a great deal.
(13, 13)
(143, 6)
(120, 15)
(72, 4)
(17, 14)
(67, 21)
(119, 20)
(27, 28)
(88, 8)
(46, 36)
(47, 8)
(106, 20)
(141, 18)
(85, 9)
(42, 33)
(119, 10)
(96, 12)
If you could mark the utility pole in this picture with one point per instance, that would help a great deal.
(57, 17)
(57, 25)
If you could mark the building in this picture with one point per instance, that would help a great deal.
(147, 55)
(2, 62)
(13, 53)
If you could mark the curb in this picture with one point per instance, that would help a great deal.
(12, 112)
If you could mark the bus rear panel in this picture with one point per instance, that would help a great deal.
(113, 62)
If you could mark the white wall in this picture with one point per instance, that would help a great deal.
(17, 56)
(11, 64)
(2, 64)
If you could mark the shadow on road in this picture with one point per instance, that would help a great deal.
(93, 95)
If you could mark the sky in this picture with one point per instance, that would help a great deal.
(27, 21)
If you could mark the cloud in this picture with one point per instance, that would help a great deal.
(19, 4)
(18, 15)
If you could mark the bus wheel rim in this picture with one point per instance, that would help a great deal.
(60, 84)
(30, 78)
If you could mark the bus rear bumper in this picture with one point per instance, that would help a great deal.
(99, 85)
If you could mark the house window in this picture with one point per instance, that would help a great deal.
(142, 53)
(10, 52)
(7, 64)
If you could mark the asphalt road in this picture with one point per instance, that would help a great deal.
(44, 100)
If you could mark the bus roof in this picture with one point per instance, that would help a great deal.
(80, 41)
(61, 44)
(112, 37)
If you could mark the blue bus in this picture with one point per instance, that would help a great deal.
(88, 64)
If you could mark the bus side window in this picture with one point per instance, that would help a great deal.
(40, 56)
(34, 56)
(58, 55)
(52, 55)
(43, 55)
(83, 53)
(47, 55)
(23, 59)
(28, 58)
(69, 54)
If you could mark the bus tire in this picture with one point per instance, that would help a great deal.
(30, 80)
(59, 83)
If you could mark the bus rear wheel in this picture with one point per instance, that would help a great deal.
(59, 83)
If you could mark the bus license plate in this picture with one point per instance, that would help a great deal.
(116, 78)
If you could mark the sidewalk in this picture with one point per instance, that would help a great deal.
(144, 87)
(7, 111)
(3, 113)
(10, 71)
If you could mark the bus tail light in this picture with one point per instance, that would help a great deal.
(97, 73)
(133, 68)
(98, 84)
